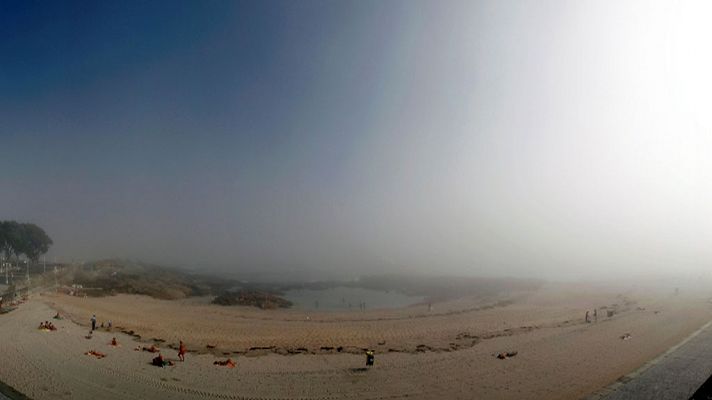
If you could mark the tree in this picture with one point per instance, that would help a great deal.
(35, 241)
(27, 239)
(12, 238)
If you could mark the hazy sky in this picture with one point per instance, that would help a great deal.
(534, 138)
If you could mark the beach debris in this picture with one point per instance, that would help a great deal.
(626, 336)
(396, 350)
(227, 363)
(422, 348)
(210, 346)
(609, 313)
(506, 355)
(258, 348)
(5, 309)
(466, 335)
(300, 350)
(95, 354)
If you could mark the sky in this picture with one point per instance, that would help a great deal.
(518, 138)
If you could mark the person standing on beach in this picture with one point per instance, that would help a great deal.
(587, 318)
(595, 315)
(93, 323)
(181, 351)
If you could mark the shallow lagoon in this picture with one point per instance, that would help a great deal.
(345, 298)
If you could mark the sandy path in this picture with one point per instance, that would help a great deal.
(557, 360)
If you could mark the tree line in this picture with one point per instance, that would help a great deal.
(26, 239)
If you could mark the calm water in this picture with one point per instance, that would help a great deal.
(344, 298)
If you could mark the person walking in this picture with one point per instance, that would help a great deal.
(369, 358)
(93, 323)
(181, 351)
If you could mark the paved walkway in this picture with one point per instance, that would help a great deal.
(11, 393)
(675, 375)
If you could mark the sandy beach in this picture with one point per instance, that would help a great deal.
(448, 352)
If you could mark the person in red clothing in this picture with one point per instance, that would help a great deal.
(181, 351)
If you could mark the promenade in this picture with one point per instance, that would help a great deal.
(676, 375)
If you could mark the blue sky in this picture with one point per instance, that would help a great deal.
(130, 115)
(348, 136)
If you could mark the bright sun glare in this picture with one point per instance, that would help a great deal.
(690, 60)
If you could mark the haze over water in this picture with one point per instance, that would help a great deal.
(347, 298)
(546, 139)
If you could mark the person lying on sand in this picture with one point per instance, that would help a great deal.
(95, 354)
(505, 355)
(152, 349)
(181, 351)
(57, 316)
(227, 363)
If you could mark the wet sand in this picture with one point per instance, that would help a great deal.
(445, 353)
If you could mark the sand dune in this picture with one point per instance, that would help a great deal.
(447, 353)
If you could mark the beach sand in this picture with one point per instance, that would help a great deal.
(445, 353)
